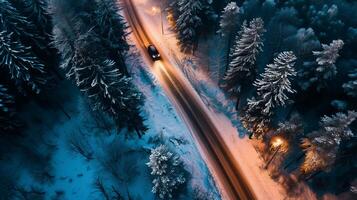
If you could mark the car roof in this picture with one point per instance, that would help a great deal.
(152, 47)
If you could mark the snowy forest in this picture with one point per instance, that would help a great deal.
(289, 66)
(81, 117)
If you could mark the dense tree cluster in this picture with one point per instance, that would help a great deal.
(93, 46)
(323, 145)
(317, 39)
(26, 57)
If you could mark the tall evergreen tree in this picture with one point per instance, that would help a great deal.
(272, 91)
(351, 86)
(112, 29)
(86, 55)
(12, 21)
(229, 25)
(244, 55)
(188, 23)
(275, 82)
(103, 83)
(37, 12)
(19, 62)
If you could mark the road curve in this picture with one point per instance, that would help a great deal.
(225, 167)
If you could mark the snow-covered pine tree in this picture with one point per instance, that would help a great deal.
(37, 12)
(254, 119)
(326, 59)
(229, 20)
(237, 37)
(64, 34)
(188, 24)
(275, 82)
(228, 24)
(351, 86)
(12, 21)
(87, 62)
(337, 126)
(112, 29)
(167, 170)
(108, 89)
(323, 145)
(19, 62)
(63, 40)
(272, 91)
(243, 56)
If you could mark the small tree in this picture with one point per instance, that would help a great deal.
(229, 20)
(243, 56)
(326, 59)
(253, 119)
(79, 144)
(168, 172)
(351, 86)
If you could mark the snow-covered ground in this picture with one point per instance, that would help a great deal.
(220, 108)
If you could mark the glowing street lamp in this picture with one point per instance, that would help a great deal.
(279, 144)
(156, 10)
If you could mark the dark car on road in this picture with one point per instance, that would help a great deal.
(154, 53)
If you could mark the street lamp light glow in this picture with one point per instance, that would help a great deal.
(277, 142)
(155, 10)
